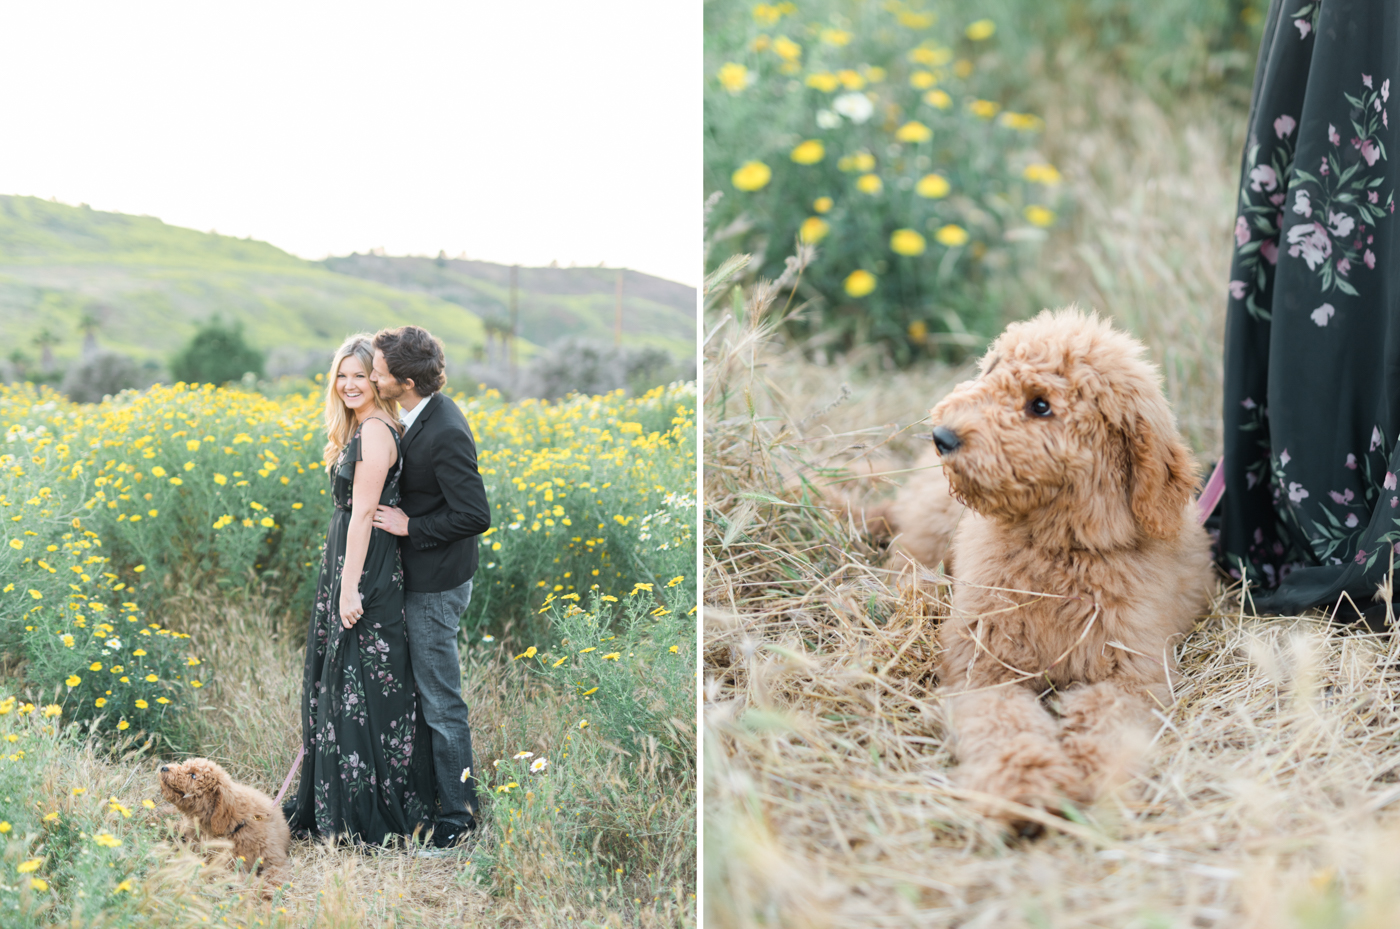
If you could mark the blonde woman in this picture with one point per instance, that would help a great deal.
(368, 770)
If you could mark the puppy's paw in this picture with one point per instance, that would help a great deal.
(1037, 776)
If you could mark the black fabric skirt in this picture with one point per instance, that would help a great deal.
(1312, 338)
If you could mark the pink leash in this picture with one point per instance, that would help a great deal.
(1210, 495)
(301, 753)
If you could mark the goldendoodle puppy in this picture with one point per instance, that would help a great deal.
(217, 808)
(1077, 561)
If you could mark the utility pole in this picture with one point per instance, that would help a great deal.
(514, 315)
(617, 317)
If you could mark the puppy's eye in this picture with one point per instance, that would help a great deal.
(1039, 407)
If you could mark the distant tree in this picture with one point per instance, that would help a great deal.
(496, 329)
(19, 363)
(592, 367)
(649, 367)
(216, 354)
(88, 324)
(45, 341)
(100, 374)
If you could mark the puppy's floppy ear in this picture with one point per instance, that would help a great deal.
(221, 811)
(1163, 471)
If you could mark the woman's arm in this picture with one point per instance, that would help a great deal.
(377, 456)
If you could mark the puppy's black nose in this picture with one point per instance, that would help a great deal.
(945, 440)
(164, 768)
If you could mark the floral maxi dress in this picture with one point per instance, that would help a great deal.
(368, 770)
(1312, 338)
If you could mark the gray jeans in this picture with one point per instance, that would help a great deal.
(433, 621)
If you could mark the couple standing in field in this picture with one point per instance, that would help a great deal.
(384, 726)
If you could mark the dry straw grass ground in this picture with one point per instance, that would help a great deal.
(249, 722)
(1269, 798)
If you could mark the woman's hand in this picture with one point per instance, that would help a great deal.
(351, 607)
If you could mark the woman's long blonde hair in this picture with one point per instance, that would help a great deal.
(340, 422)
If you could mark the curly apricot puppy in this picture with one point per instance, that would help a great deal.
(1077, 563)
(217, 808)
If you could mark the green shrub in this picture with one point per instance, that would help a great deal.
(104, 373)
(863, 130)
(67, 850)
(70, 615)
(589, 492)
(216, 354)
(606, 795)
(219, 482)
(129, 676)
(1169, 48)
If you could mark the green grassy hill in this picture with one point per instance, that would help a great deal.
(149, 285)
(553, 303)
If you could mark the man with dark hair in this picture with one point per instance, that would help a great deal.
(442, 511)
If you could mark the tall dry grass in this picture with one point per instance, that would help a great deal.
(524, 866)
(1268, 800)
(1149, 240)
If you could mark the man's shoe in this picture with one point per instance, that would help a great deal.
(450, 835)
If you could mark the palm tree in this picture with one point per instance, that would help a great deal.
(88, 324)
(45, 341)
(496, 329)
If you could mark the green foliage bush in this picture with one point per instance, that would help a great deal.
(60, 852)
(218, 483)
(589, 492)
(864, 130)
(1170, 48)
(623, 728)
(216, 354)
(73, 618)
(588, 366)
(633, 665)
(105, 373)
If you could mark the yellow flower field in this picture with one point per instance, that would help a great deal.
(100, 502)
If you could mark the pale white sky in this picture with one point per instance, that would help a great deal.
(513, 132)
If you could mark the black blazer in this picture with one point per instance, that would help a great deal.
(444, 498)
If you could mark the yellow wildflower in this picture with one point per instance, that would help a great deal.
(980, 30)
(752, 175)
(870, 184)
(951, 235)
(985, 109)
(907, 242)
(939, 99)
(932, 186)
(809, 152)
(913, 131)
(1041, 173)
(813, 230)
(733, 77)
(859, 283)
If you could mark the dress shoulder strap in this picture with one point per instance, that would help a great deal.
(388, 425)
